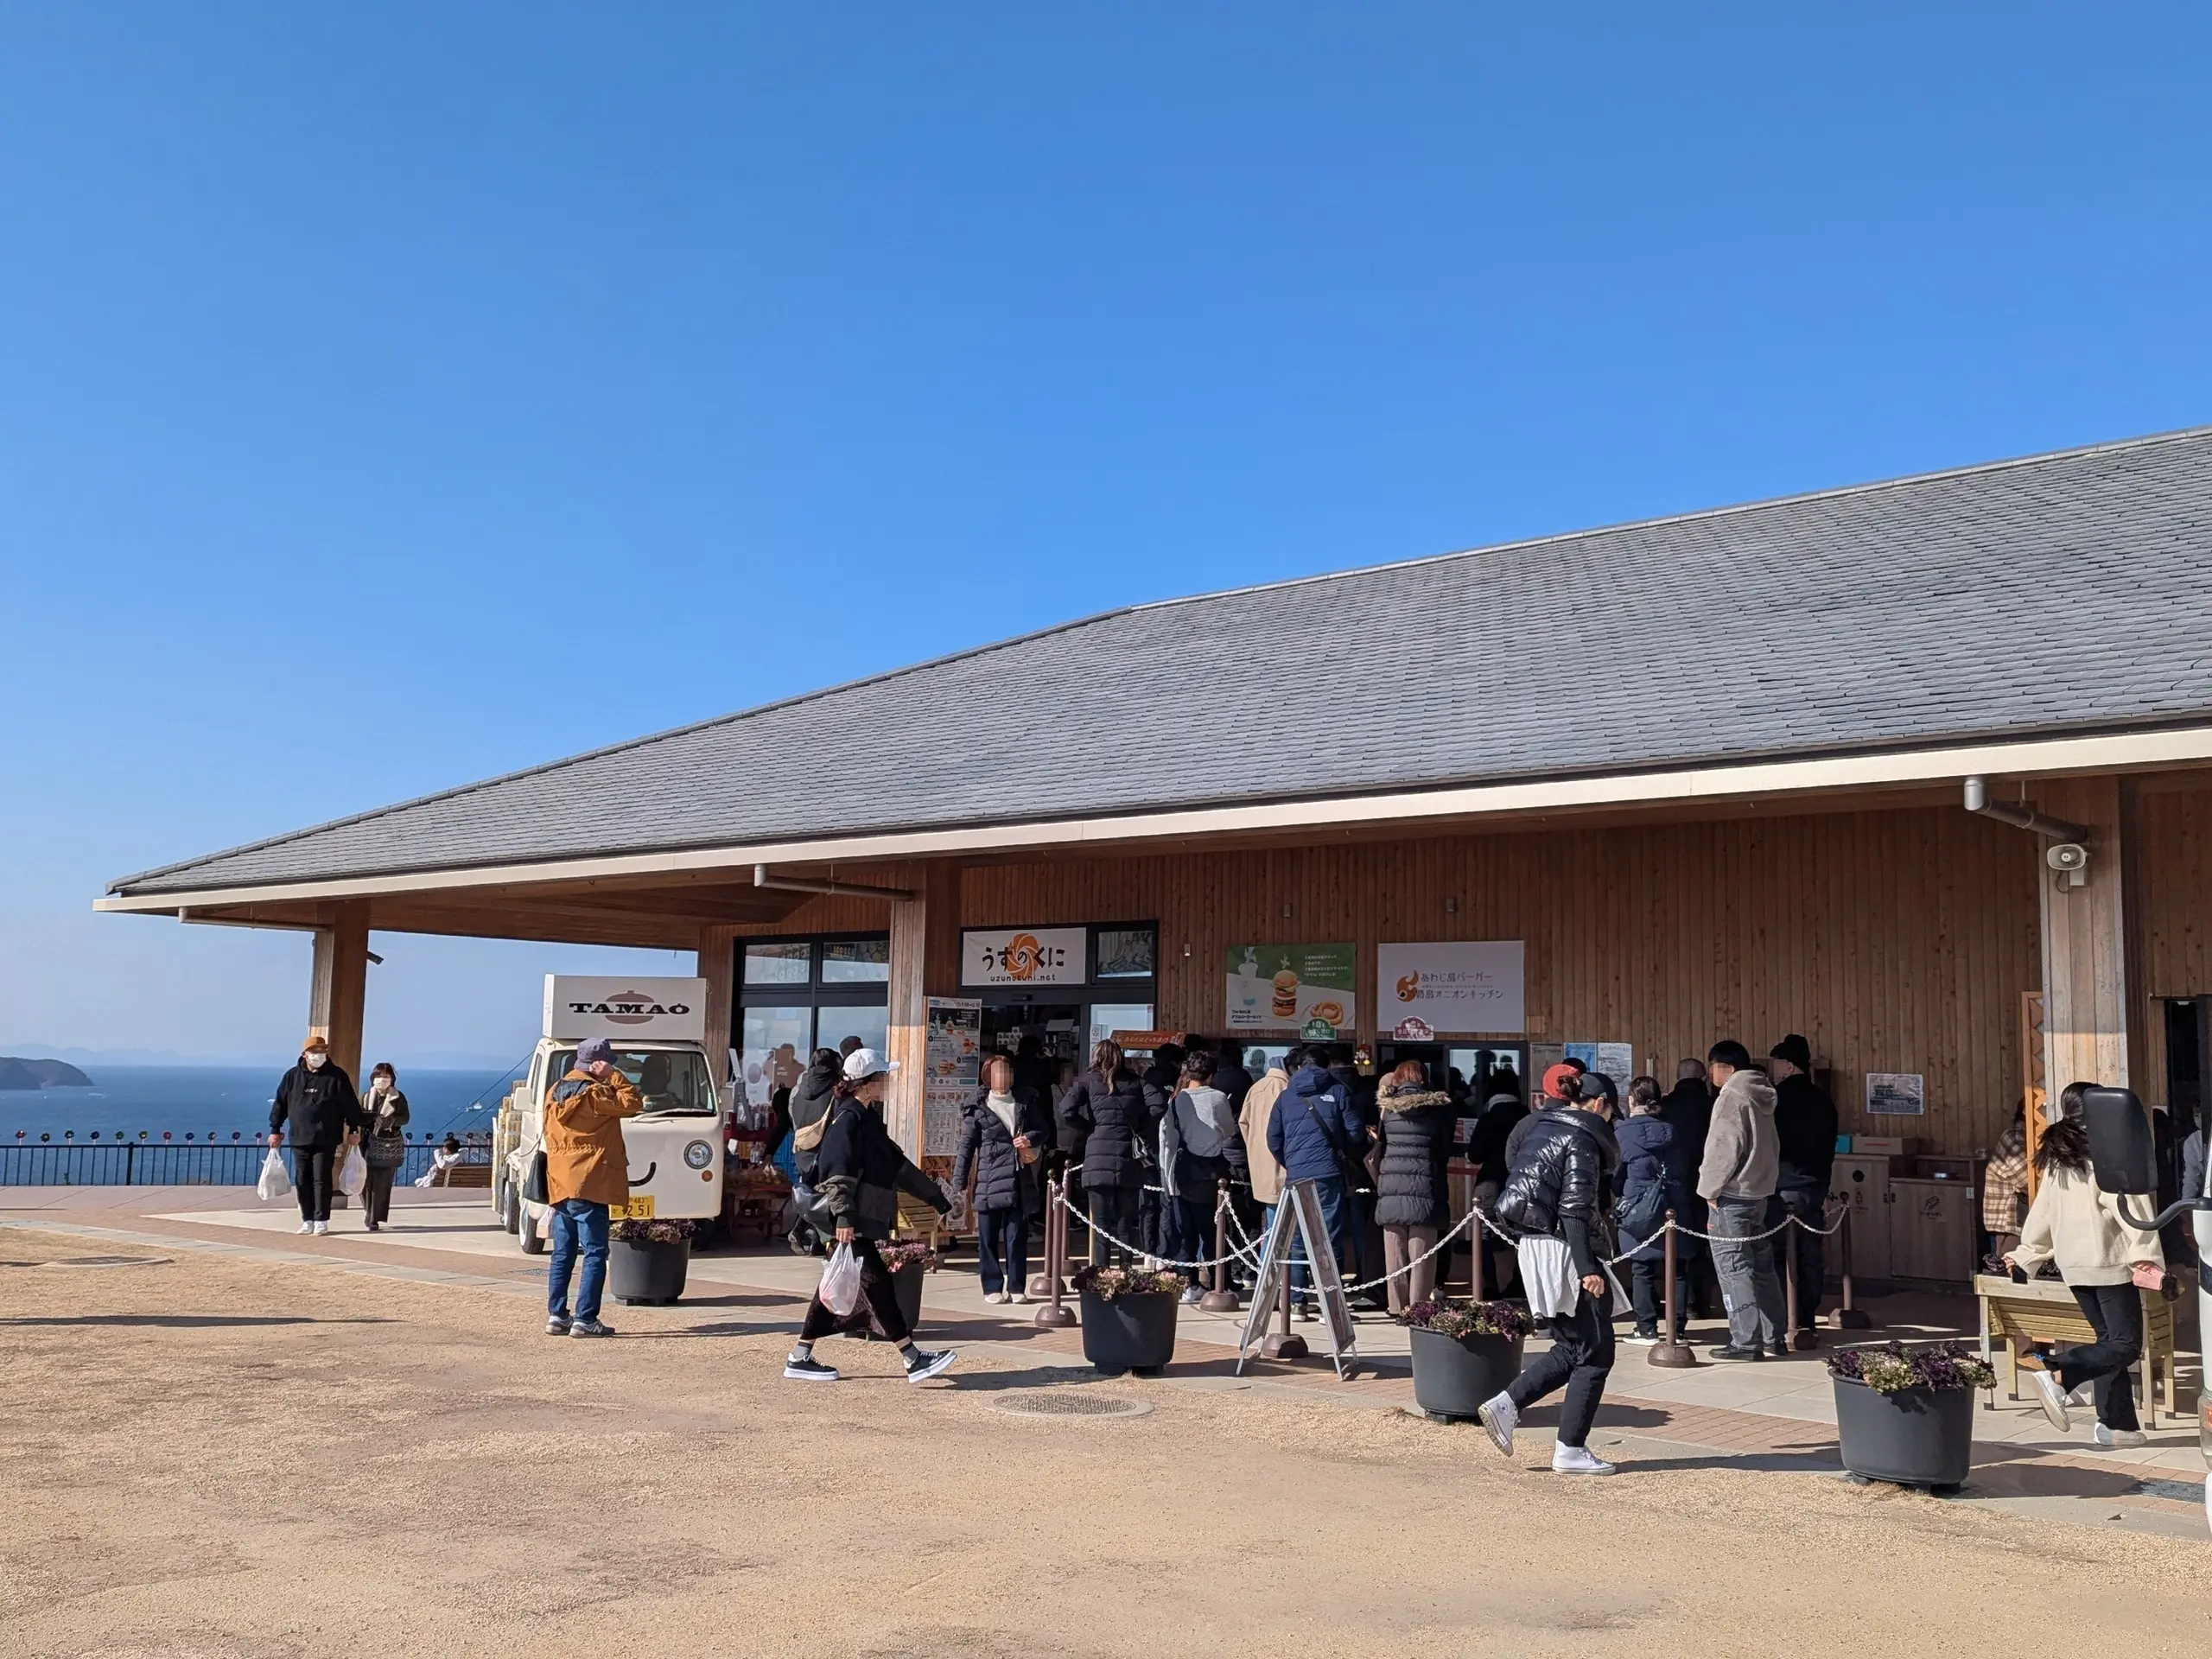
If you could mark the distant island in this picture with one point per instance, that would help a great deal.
(40, 1074)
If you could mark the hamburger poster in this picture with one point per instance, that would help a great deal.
(1289, 987)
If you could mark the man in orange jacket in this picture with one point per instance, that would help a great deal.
(587, 1169)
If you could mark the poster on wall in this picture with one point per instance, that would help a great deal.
(1297, 988)
(952, 1059)
(1616, 1060)
(1024, 955)
(1465, 986)
(1897, 1094)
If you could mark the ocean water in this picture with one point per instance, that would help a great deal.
(219, 1103)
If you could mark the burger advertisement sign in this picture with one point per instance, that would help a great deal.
(1292, 988)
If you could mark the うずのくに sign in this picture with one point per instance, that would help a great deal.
(1024, 955)
(1465, 986)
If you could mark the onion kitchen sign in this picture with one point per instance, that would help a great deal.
(1465, 988)
(1025, 956)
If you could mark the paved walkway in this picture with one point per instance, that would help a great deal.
(1778, 1414)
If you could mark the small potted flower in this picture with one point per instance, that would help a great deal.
(647, 1259)
(1908, 1417)
(1463, 1353)
(1129, 1317)
(907, 1261)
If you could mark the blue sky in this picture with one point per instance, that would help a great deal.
(394, 396)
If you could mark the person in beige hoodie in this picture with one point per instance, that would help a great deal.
(2105, 1263)
(1743, 1164)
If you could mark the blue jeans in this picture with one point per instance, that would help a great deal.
(578, 1224)
(1330, 1190)
(1003, 1249)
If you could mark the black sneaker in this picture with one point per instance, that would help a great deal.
(1778, 1350)
(1647, 1333)
(1730, 1350)
(923, 1364)
(808, 1370)
(589, 1328)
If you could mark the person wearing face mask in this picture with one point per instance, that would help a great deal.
(384, 1142)
(316, 1103)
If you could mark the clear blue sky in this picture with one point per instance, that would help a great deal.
(393, 396)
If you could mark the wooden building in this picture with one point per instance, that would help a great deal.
(1710, 773)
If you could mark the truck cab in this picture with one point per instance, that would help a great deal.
(657, 1029)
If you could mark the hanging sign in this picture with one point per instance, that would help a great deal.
(1024, 955)
(1414, 1029)
(1290, 987)
(1467, 987)
(952, 1058)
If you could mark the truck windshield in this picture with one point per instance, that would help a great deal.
(671, 1079)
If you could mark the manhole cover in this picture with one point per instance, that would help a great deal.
(1068, 1402)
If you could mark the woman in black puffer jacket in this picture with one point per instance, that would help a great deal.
(998, 1129)
(1409, 1192)
(1107, 1108)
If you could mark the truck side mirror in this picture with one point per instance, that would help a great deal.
(2120, 1148)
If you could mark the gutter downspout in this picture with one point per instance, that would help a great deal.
(1977, 800)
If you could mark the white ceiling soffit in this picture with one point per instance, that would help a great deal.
(2131, 751)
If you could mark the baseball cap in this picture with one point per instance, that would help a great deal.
(865, 1063)
(593, 1049)
(1561, 1082)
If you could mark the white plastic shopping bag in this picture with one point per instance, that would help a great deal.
(276, 1180)
(841, 1281)
(353, 1173)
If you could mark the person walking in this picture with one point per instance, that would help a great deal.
(1804, 1131)
(384, 1142)
(1002, 1135)
(1559, 1164)
(859, 1174)
(807, 1106)
(2106, 1263)
(1107, 1107)
(1195, 1138)
(586, 1170)
(1656, 1175)
(1316, 1137)
(1410, 1202)
(316, 1104)
(1735, 1178)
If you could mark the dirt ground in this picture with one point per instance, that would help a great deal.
(204, 1457)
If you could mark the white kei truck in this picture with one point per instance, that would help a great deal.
(658, 1028)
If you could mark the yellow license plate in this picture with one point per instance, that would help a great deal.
(638, 1209)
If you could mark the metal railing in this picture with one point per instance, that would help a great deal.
(168, 1163)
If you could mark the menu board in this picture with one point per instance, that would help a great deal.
(1297, 988)
(1467, 986)
(952, 1062)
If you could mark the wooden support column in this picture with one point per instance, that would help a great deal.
(2093, 963)
(925, 963)
(717, 966)
(338, 987)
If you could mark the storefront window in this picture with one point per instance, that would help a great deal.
(1126, 953)
(778, 962)
(775, 1045)
(871, 1025)
(856, 961)
(1107, 1018)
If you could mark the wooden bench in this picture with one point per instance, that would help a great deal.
(2044, 1311)
(476, 1175)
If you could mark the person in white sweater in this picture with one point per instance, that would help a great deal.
(2105, 1263)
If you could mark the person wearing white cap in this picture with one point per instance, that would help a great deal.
(859, 1172)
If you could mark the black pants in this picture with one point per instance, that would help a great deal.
(877, 1295)
(311, 1169)
(1151, 1224)
(1803, 1246)
(1646, 1288)
(1581, 1355)
(2115, 1314)
(376, 1197)
(1118, 1210)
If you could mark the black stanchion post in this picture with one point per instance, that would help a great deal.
(1846, 1317)
(1053, 1316)
(1670, 1351)
(1222, 1299)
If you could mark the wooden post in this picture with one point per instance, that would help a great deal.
(717, 965)
(1670, 1353)
(2092, 940)
(340, 984)
(924, 961)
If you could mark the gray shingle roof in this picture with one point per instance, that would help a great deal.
(2070, 592)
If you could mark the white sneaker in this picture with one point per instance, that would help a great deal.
(321, 1227)
(1500, 1417)
(2054, 1400)
(2119, 1437)
(1018, 1297)
(994, 1296)
(1578, 1461)
(307, 1226)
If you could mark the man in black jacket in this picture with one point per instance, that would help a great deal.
(1805, 1128)
(317, 1102)
(1160, 1082)
(1559, 1164)
(1688, 1107)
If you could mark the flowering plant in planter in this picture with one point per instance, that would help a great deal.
(1456, 1319)
(1888, 1369)
(1109, 1283)
(909, 1253)
(653, 1232)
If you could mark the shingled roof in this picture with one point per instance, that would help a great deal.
(2068, 592)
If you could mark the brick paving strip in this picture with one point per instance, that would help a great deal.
(2022, 1479)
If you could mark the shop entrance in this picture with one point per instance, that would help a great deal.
(1472, 1072)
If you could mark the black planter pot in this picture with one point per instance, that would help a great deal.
(1130, 1334)
(652, 1273)
(1915, 1437)
(1452, 1376)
